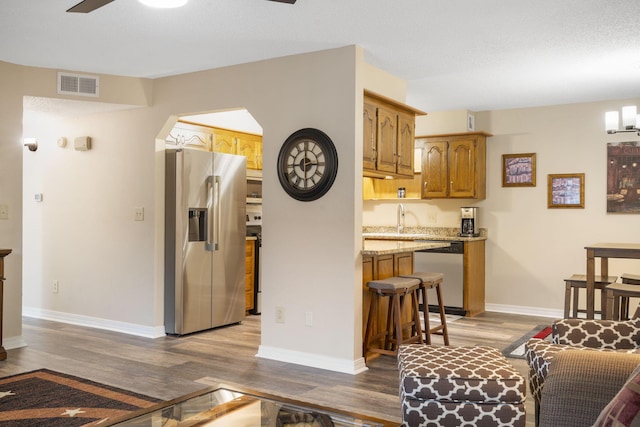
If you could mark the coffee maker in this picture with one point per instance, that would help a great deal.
(469, 222)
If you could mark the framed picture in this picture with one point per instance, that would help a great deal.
(623, 177)
(565, 190)
(471, 122)
(519, 170)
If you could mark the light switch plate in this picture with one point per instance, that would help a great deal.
(4, 212)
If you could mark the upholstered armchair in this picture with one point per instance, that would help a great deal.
(576, 375)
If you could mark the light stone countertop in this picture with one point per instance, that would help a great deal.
(420, 233)
(386, 247)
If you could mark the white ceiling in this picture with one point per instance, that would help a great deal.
(454, 54)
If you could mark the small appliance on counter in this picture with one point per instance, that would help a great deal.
(469, 222)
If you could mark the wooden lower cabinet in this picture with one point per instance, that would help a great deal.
(473, 281)
(249, 275)
(382, 267)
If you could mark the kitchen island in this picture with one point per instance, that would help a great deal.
(382, 259)
(473, 259)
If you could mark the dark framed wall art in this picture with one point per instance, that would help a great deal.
(623, 177)
(519, 170)
(565, 190)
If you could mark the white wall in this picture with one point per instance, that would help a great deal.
(531, 248)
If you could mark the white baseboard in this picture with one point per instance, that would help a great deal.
(94, 322)
(345, 366)
(525, 311)
(10, 343)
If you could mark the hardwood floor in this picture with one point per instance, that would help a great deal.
(169, 367)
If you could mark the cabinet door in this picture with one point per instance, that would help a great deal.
(406, 143)
(369, 149)
(403, 264)
(462, 168)
(224, 141)
(250, 147)
(435, 180)
(249, 275)
(387, 140)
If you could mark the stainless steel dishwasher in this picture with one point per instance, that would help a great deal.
(448, 261)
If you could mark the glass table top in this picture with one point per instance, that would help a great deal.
(223, 407)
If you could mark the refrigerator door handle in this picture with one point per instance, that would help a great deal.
(210, 217)
(217, 210)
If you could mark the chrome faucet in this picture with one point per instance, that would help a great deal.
(400, 217)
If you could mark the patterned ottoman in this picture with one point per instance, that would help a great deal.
(459, 386)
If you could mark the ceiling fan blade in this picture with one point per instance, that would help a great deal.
(87, 6)
(285, 1)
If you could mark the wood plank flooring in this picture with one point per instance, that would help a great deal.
(170, 367)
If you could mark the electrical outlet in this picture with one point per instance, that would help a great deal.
(56, 287)
(279, 314)
(139, 214)
(308, 318)
(432, 217)
(4, 212)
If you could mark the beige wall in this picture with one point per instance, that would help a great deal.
(531, 248)
(11, 150)
(110, 267)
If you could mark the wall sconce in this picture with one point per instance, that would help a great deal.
(30, 143)
(630, 120)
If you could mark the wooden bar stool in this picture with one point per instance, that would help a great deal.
(391, 337)
(429, 280)
(618, 295)
(579, 281)
(627, 279)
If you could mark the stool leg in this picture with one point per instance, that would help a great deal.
(576, 294)
(615, 314)
(416, 316)
(425, 314)
(567, 299)
(373, 309)
(397, 319)
(443, 317)
(624, 308)
(610, 303)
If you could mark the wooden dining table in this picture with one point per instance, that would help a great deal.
(604, 251)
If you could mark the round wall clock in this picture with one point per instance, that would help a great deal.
(307, 164)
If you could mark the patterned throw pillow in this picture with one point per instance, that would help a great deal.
(624, 408)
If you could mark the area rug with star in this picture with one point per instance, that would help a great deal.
(52, 399)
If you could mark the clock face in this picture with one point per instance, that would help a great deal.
(307, 164)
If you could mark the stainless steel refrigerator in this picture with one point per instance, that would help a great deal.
(205, 226)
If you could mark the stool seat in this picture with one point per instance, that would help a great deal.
(431, 280)
(618, 293)
(393, 283)
(470, 386)
(425, 276)
(631, 279)
(579, 281)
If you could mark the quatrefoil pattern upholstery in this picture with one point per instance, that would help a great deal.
(454, 386)
(578, 334)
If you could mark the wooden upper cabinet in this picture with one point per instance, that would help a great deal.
(454, 166)
(388, 137)
(462, 172)
(435, 174)
(387, 140)
(406, 144)
(250, 146)
(220, 141)
(369, 143)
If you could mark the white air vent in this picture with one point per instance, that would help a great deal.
(76, 84)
